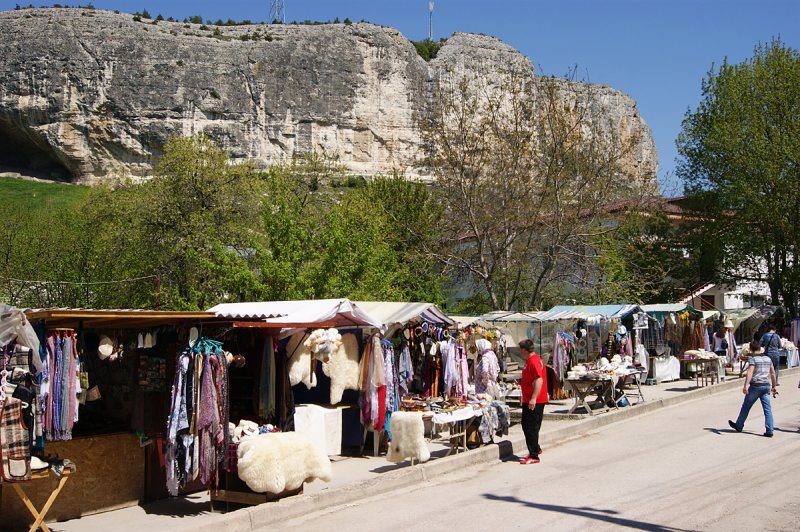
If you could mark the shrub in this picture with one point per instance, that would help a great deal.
(214, 94)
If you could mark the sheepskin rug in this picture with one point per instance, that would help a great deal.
(343, 368)
(408, 437)
(280, 461)
(300, 362)
(323, 343)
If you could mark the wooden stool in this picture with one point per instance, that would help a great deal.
(39, 515)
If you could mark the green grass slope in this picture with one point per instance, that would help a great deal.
(32, 196)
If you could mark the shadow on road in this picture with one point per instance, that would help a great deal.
(588, 513)
(731, 431)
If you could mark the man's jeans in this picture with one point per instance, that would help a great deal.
(776, 361)
(755, 392)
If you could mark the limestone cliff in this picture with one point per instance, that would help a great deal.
(85, 94)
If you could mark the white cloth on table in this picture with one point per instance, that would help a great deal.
(792, 358)
(442, 418)
(666, 368)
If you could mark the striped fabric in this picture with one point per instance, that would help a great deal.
(15, 450)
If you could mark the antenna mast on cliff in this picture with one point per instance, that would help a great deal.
(430, 20)
(278, 11)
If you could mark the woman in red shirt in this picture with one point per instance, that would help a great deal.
(534, 397)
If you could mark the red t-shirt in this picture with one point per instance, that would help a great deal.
(534, 368)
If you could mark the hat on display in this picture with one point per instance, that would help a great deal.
(194, 334)
(105, 348)
(728, 324)
(622, 329)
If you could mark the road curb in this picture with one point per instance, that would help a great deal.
(264, 515)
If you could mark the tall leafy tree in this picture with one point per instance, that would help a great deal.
(331, 235)
(740, 164)
(196, 225)
(523, 168)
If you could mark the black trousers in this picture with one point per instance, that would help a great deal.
(531, 423)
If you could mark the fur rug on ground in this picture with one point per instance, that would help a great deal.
(300, 362)
(343, 368)
(280, 461)
(408, 437)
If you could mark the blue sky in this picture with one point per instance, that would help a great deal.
(657, 51)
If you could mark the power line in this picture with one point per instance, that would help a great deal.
(78, 283)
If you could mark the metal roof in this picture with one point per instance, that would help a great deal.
(112, 318)
(569, 312)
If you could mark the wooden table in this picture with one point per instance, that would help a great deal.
(583, 387)
(39, 515)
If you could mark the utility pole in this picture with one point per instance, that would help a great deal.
(430, 20)
(277, 11)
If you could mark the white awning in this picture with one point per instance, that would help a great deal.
(396, 314)
(332, 312)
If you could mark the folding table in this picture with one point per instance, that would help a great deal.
(39, 515)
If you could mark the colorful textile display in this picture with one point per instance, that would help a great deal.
(373, 385)
(197, 428)
(60, 385)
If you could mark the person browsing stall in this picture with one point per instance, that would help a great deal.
(771, 342)
(534, 397)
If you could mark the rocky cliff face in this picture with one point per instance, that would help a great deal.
(86, 95)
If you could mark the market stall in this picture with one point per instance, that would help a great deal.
(100, 386)
(315, 348)
(570, 335)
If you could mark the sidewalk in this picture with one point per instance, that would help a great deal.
(355, 478)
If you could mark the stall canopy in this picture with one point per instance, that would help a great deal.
(582, 312)
(660, 311)
(14, 326)
(395, 314)
(293, 314)
(112, 318)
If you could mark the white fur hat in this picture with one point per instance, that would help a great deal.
(105, 348)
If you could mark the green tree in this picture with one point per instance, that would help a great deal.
(326, 239)
(640, 259)
(740, 155)
(196, 224)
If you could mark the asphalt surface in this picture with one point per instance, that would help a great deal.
(677, 468)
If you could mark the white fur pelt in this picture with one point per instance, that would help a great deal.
(343, 368)
(280, 461)
(300, 362)
(323, 343)
(408, 437)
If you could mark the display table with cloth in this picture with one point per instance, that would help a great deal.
(457, 422)
(39, 515)
(792, 357)
(704, 366)
(665, 368)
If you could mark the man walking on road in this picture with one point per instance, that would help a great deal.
(534, 397)
(758, 384)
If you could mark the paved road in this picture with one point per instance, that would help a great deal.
(679, 468)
